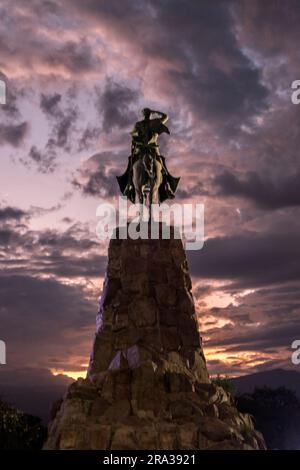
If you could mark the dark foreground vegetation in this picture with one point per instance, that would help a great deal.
(20, 431)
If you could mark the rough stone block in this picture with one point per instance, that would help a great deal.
(165, 295)
(188, 436)
(124, 439)
(99, 437)
(143, 312)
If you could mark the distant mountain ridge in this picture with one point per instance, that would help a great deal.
(272, 378)
(33, 391)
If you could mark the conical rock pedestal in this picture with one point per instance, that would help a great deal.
(147, 385)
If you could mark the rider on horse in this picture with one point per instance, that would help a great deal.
(144, 140)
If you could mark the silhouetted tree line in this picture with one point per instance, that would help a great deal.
(20, 431)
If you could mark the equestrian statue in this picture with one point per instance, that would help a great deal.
(147, 179)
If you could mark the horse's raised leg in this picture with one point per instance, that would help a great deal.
(150, 201)
(140, 197)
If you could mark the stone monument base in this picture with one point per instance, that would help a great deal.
(147, 385)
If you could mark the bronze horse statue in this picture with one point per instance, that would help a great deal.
(147, 179)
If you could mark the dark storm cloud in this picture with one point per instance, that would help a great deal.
(65, 119)
(271, 27)
(5, 236)
(75, 237)
(21, 43)
(98, 183)
(66, 240)
(44, 160)
(61, 131)
(251, 259)
(54, 298)
(207, 66)
(13, 134)
(236, 368)
(38, 323)
(56, 264)
(89, 266)
(88, 137)
(228, 101)
(193, 190)
(249, 349)
(11, 213)
(262, 190)
(77, 57)
(210, 70)
(260, 326)
(114, 105)
(49, 103)
(97, 177)
(47, 319)
(72, 253)
(270, 336)
(37, 211)
(218, 80)
(62, 119)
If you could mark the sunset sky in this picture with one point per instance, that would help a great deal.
(78, 74)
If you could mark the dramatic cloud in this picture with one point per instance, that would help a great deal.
(114, 105)
(271, 28)
(203, 60)
(63, 119)
(9, 213)
(49, 104)
(25, 45)
(262, 191)
(97, 177)
(72, 253)
(258, 330)
(38, 323)
(13, 134)
(249, 259)
(77, 57)
(89, 136)
(44, 160)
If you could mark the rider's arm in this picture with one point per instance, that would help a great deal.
(163, 117)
